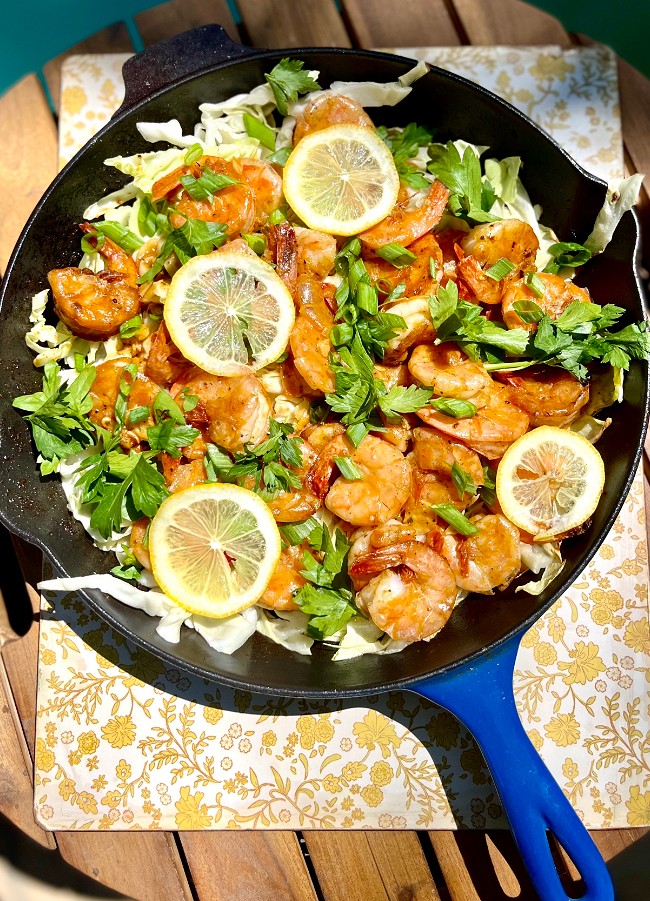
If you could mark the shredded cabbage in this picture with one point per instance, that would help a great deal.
(544, 558)
(620, 198)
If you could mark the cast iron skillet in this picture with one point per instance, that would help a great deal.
(468, 668)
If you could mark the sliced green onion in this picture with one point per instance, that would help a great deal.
(283, 356)
(462, 480)
(347, 255)
(126, 239)
(207, 185)
(455, 518)
(280, 156)
(257, 243)
(79, 362)
(276, 217)
(534, 282)
(357, 432)
(91, 243)
(259, 130)
(528, 310)
(138, 414)
(488, 496)
(357, 273)
(297, 532)
(454, 406)
(367, 298)
(433, 268)
(396, 293)
(194, 153)
(348, 469)
(489, 477)
(219, 459)
(500, 270)
(131, 327)
(395, 254)
(341, 334)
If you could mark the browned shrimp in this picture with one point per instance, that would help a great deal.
(243, 207)
(233, 410)
(412, 592)
(104, 393)
(490, 242)
(378, 495)
(549, 396)
(94, 306)
(558, 294)
(419, 278)
(310, 341)
(403, 226)
(487, 560)
(285, 581)
(329, 109)
(180, 473)
(136, 542)
(497, 422)
(165, 363)
(299, 503)
(448, 370)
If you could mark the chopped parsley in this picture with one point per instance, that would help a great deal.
(266, 464)
(471, 196)
(327, 597)
(404, 144)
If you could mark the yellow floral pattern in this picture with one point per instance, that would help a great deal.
(125, 742)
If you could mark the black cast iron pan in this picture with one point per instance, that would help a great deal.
(468, 667)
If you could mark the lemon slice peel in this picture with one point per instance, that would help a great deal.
(214, 548)
(229, 313)
(341, 180)
(549, 482)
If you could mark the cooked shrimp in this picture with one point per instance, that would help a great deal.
(320, 435)
(104, 393)
(558, 294)
(94, 306)
(429, 489)
(377, 496)
(315, 252)
(487, 560)
(137, 542)
(415, 313)
(549, 396)
(434, 452)
(403, 225)
(179, 474)
(285, 581)
(283, 252)
(448, 370)
(489, 242)
(327, 109)
(165, 363)
(418, 277)
(491, 430)
(234, 411)
(243, 207)
(311, 346)
(414, 593)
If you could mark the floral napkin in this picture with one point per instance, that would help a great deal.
(125, 742)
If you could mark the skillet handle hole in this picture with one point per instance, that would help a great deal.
(572, 882)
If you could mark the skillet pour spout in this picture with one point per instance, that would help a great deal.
(478, 645)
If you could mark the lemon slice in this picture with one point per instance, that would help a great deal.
(549, 481)
(341, 180)
(229, 312)
(214, 548)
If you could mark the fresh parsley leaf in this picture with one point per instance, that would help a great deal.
(404, 400)
(328, 610)
(404, 144)
(288, 79)
(171, 438)
(462, 175)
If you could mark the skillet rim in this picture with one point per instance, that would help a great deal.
(94, 598)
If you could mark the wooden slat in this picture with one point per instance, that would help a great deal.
(371, 866)
(28, 157)
(287, 23)
(374, 23)
(508, 22)
(180, 15)
(247, 866)
(143, 865)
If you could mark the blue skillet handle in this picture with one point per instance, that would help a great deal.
(480, 695)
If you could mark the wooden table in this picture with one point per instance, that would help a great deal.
(222, 866)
